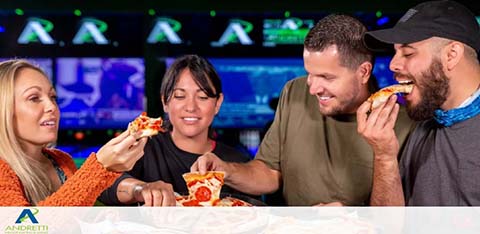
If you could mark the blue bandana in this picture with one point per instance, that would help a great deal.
(453, 116)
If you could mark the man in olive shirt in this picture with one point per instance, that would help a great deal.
(313, 149)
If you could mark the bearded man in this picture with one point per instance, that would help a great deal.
(436, 45)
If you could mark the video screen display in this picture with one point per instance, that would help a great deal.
(289, 31)
(248, 86)
(99, 93)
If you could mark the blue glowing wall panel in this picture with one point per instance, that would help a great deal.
(382, 72)
(249, 85)
(99, 93)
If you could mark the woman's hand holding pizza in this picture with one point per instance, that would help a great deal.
(121, 152)
(156, 193)
(376, 127)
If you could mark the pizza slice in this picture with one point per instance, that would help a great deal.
(204, 190)
(231, 202)
(146, 125)
(224, 202)
(382, 95)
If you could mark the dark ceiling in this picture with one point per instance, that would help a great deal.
(141, 6)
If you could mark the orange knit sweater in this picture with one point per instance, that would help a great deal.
(81, 188)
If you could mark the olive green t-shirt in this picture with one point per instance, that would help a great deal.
(321, 159)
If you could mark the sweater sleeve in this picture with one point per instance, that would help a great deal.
(83, 188)
(11, 189)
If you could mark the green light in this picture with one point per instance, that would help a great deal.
(77, 12)
(109, 132)
(287, 14)
(478, 19)
(69, 132)
(151, 11)
(89, 132)
(378, 14)
(213, 13)
(19, 11)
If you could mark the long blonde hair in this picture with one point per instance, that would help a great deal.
(36, 184)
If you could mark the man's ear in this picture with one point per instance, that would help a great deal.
(452, 53)
(218, 104)
(364, 71)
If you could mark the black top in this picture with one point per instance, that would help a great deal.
(440, 166)
(163, 160)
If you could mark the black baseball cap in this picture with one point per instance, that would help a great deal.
(445, 19)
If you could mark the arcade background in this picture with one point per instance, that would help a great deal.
(105, 80)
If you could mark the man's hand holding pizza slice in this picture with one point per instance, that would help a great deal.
(210, 162)
(376, 119)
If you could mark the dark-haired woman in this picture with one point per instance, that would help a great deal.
(191, 94)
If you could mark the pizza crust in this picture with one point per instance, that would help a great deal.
(380, 97)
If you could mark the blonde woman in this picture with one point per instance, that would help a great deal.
(31, 173)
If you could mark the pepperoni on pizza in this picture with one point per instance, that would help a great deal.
(204, 190)
(146, 125)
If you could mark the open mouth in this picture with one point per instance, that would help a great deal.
(190, 118)
(407, 87)
(324, 98)
(48, 123)
(406, 82)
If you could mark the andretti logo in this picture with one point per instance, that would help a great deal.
(27, 223)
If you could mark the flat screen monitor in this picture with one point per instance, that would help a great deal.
(99, 93)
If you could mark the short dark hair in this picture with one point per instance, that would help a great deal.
(203, 73)
(346, 33)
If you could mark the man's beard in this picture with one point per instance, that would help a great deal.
(342, 108)
(434, 88)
